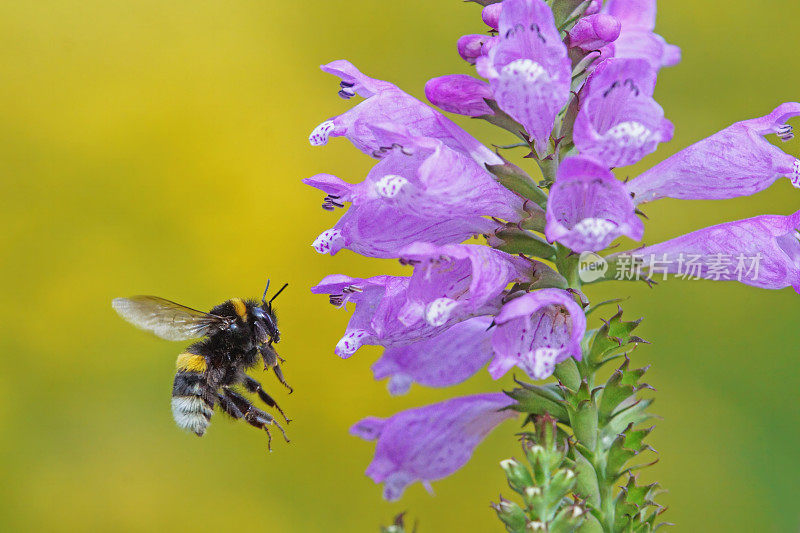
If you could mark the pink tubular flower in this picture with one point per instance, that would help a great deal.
(385, 103)
(588, 208)
(528, 68)
(431, 442)
(762, 251)
(736, 161)
(537, 331)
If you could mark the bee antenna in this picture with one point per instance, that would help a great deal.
(264, 297)
(277, 293)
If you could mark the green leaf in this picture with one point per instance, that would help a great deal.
(633, 414)
(534, 402)
(514, 240)
(586, 485)
(517, 180)
(568, 374)
(612, 335)
(500, 118)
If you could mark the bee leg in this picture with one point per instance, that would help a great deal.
(254, 386)
(254, 416)
(269, 355)
(279, 374)
(229, 407)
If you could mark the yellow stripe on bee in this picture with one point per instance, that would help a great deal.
(240, 307)
(189, 362)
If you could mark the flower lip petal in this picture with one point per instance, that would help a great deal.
(527, 304)
(588, 208)
(353, 78)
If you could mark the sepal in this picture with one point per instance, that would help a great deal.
(517, 180)
(513, 240)
(538, 400)
(613, 339)
(511, 514)
(622, 385)
(636, 509)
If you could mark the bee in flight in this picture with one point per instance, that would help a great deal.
(235, 334)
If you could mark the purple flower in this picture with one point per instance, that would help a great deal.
(378, 229)
(619, 122)
(385, 103)
(736, 161)
(457, 280)
(459, 93)
(588, 208)
(594, 32)
(431, 442)
(636, 39)
(374, 320)
(450, 284)
(762, 251)
(537, 331)
(375, 226)
(528, 68)
(446, 359)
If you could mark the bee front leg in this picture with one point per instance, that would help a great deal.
(270, 357)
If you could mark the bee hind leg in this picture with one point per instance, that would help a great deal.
(254, 416)
(254, 386)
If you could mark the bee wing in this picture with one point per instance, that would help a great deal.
(168, 320)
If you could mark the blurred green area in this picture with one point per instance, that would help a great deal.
(157, 147)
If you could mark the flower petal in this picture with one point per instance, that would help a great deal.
(619, 122)
(636, 38)
(385, 103)
(528, 68)
(472, 276)
(588, 208)
(431, 442)
(762, 251)
(441, 361)
(537, 331)
(736, 161)
(459, 93)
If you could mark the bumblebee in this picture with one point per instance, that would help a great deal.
(235, 334)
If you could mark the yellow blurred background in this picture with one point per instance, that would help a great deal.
(158, 147)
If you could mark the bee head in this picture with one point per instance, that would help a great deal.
(266, 323)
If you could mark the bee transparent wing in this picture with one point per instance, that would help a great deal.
(168, 320)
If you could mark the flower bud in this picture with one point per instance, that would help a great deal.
(594, 32)
(560, 484)
(532, 497)
(470, 46)
(510, 514)
(568, 518)
(491, 15)
(518, 476)
(459, 93)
